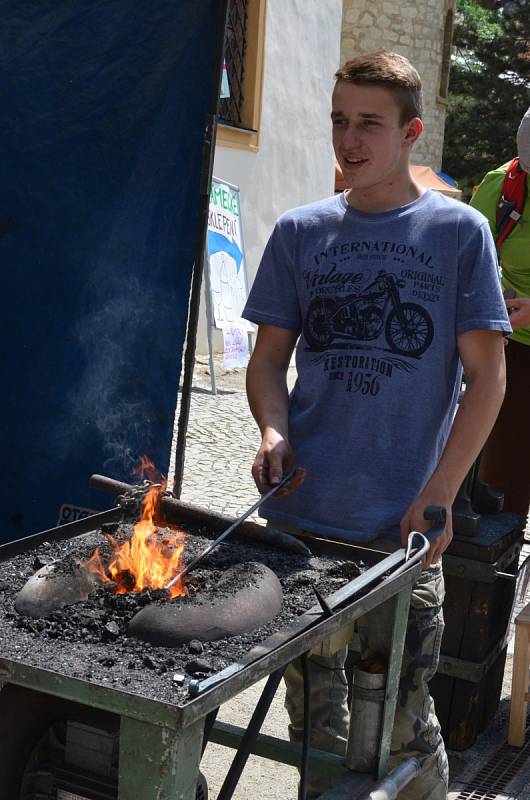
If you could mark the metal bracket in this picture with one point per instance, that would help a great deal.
(470, 670)
(481, 571)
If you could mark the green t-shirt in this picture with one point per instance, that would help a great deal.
(515, 250)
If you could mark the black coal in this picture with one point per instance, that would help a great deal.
(90, 639)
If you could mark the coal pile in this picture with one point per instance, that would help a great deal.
(90, 640)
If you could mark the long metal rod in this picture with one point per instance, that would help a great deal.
(193, 563)
(308, 619)
(198, 266)
(66, 531)
(256, 721)
(304, 767)
(401, 604)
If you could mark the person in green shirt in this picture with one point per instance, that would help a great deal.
(505, 463)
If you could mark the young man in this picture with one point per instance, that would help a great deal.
(388, 289)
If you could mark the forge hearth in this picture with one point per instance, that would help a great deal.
(93, 638)
(165, 699)
(237, 601)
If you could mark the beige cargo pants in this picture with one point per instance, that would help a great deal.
(416, 729)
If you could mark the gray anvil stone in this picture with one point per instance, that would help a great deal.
(51, 588)
(242, 611)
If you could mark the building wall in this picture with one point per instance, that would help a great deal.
(305, 43)
(295, 162)
(415, 29)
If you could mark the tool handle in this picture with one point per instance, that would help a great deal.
(438, 516)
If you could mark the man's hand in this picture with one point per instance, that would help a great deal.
(269, 401)
(413, 520)
(274, 460)
(519, 311)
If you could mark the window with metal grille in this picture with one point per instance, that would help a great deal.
(231, 108)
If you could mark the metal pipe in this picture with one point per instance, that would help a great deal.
(180, 511)
(304, 771)
(389, 787)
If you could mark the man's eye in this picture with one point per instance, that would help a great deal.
(337, 122)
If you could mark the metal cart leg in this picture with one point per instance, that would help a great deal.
(158, 763)
(401, 603)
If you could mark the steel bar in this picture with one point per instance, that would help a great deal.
(256, 721)
(66, 531)
(281, 750)
(401, 603)
(193, 563)
(305, 620)
(304, 770)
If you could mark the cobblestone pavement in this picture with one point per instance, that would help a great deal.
(222, 439)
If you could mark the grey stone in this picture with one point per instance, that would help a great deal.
(239, 612)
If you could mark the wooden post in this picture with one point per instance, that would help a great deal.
(521, 661)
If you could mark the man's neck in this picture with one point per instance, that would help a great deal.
(385, 196)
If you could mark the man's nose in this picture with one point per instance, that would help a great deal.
(352, 136)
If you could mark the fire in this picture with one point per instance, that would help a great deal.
(146, 561)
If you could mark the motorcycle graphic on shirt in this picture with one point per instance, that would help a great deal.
(407, 327)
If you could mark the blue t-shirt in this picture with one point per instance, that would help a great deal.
(379, 300)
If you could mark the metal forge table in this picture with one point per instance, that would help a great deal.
(160, 744)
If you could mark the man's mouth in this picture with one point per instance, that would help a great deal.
(354, 162)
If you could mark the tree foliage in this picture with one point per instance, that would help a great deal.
(489, 89)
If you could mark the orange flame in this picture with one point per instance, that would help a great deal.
(145, 561)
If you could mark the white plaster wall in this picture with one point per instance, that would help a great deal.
(295, 162)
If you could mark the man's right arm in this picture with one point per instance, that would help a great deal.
(268, 399)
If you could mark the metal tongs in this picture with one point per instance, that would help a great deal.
(193, 563)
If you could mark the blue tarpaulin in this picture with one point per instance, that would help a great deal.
(104, 107)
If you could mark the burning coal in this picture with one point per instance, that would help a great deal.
(148, 560)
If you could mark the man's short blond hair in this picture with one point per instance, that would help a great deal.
(391, 71)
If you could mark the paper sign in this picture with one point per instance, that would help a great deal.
(226, 252)
(235, 344)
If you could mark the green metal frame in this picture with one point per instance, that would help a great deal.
(161, 744)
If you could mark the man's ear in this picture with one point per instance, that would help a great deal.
(413, 130)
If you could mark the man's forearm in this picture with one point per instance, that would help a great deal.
(268, 396)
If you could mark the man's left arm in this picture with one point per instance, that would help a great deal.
(482, 356)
